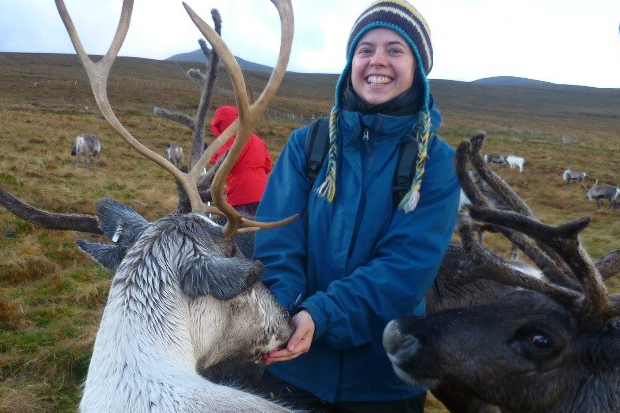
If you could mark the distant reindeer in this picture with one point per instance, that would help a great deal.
(498, 159)
(174, 153)
(86, 146)
(570, 175)
(608, 192)
(515, 162)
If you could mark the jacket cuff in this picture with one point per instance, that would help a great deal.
(317, 315)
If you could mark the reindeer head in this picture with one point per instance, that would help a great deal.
(188, 256)
(543, 345)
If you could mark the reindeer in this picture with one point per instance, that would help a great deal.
(182, 294)
(515, 162)
(527, 344)
(494, 158)
(598, 192)
(174, 153)
(570, 175)
(87, 146)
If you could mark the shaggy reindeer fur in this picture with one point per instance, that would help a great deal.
(86, 146)
(182, 296)
(174, 153)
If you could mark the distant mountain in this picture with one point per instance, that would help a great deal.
(511, 81)
(198, 56)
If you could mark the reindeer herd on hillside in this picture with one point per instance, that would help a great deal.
(185, 300)
(596, 192)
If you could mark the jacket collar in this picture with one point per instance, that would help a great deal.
(351, 125)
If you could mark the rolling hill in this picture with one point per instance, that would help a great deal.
(52, 295)
(511, 81)
(199, 57)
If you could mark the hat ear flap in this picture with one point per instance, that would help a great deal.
(223, 278)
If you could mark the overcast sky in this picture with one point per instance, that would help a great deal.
(562, 41)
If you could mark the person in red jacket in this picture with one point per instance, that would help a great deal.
(247, 179)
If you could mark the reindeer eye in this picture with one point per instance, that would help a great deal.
(540, 342)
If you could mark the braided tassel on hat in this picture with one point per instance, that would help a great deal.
(327, 189)
(411, 198)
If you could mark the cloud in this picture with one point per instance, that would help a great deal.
(559, 41)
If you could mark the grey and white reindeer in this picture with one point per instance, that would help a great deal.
(599, 192)
(174, 153)
(182, 294)
(86, 146)
(495, 158)
(569, 175)
(536, 346)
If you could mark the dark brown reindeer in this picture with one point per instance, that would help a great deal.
(180, 281)
(532, 345)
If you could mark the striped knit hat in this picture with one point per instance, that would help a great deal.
(404, 19)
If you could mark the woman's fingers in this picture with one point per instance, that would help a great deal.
(299, 343)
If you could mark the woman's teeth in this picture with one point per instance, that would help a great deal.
(378, 80)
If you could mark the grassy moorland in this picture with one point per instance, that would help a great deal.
(51, 295)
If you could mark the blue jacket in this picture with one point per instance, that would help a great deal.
(357, 262)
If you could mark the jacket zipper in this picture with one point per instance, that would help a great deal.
(362, 206)
(365, 139)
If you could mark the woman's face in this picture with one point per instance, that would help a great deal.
(383, 66)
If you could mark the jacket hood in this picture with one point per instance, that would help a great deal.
(223, 118)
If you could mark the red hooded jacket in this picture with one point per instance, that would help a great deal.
(247, 179)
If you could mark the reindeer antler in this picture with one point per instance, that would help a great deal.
(49, 220)
(558, 253)
(564, 239)
(248, 115)
(469, 150)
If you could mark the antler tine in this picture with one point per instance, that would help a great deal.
(285, 10)
(564, 239)
(609, 265)
(545, 258)
(49, 220)
(505, 275)
(248, 116)
(207, 93)
(615, 305)
(98, 76)
(548, 266)
(467, 184)
(497, 184)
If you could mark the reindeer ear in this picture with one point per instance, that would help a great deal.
(107, 255)
(111, 214)
(223, 278)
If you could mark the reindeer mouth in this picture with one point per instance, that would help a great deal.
(414, 381)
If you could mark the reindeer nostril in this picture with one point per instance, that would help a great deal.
(398, 345)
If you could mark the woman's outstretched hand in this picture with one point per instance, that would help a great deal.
(300, 341)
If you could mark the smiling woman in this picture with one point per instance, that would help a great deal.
(383, 66)
(364, 253)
